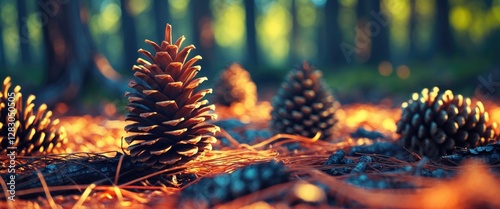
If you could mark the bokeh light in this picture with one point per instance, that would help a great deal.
(385, 68)
(403, 72)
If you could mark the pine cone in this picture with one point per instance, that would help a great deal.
(235, 86)
(304, 105)
(35, 132)
(224, 188)
(168, 113)
(433, 124)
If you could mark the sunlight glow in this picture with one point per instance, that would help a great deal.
(275, 26)
(385, 68)
(138, 6)
(178, 8)
(109, 18)
(229, 24)
(460, 18)
(400, 13)
(306, 13)
(403, 72)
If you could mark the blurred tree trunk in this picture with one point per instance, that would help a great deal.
(24, 35)
(2, 50)
(293, 57)
(129, 35)
(443, 36)
(363, 41)
(70, 53)
(379, 50)
(331, 36)
(372, 32)
(414, 53)
(252, 59)
(203, 35)
(162, 17)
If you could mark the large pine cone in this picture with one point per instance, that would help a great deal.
(35, 132)
(433, 124)
(304, 105)
(235, 86)
(168, 113)
(223, 188)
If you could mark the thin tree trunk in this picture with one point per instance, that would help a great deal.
(23, 31)
(71, 54)
(252, 59)
(412, 27)
(362, 18)
(2, 51)
(294, 35)
(162, 17)
(331, 35)
(379, 50)
(67, 53)
(129, 35)
(203, 37)
(443, 35)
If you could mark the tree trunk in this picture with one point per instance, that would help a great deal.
(203, 36)
(2, 50)
(251, 45)
(331, 35)
(24, 35)
(71, 54)
(129, 35)
(363, 47)
(379, 50)
(162, 17)
(412, 29)
(64, 42)
(443, 35)
(293, 57)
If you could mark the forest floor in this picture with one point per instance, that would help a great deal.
(359, 167)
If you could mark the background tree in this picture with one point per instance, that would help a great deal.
(380, 41)
(130, 45)
(2, 49)
(413, 52)
(443, 37)
(294, 35)
(22, 17)
(72, 57)
(251, 37)
(330, 36)
(203, 34)
(162, 16)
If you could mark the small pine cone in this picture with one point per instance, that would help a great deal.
(223, 188)
(35, 132)
(235, 86)
(433, 124)
(168, 113)
(304, 105)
